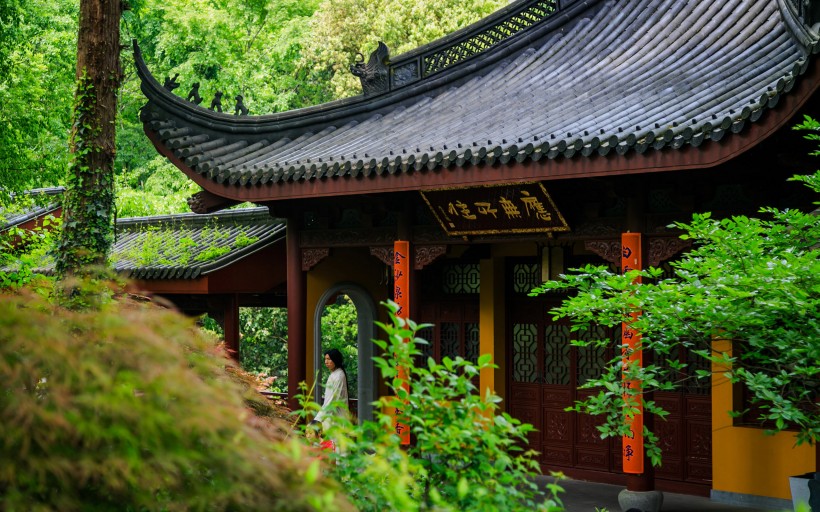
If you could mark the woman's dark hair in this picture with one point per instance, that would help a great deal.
(336, 357)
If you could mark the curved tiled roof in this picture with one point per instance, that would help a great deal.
(187, 246)
(43, 203)
(598, 81)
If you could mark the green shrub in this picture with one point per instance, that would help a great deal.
(129, 408)
(466, 455)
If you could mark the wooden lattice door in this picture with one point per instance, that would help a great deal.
(544, 372)
(450, 301)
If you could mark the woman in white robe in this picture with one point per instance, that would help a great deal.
(336, 394)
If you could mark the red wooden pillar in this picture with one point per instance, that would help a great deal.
(230, 325)
(640, 476)
(297, 313)
(402, 297)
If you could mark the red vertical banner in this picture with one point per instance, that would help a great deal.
(633, 453)
(401, 296)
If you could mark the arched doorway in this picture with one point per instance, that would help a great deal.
(365, 315)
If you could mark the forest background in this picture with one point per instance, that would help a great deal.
(278, 54)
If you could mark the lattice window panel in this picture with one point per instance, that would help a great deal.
(591, 363)
(471, 341)
(662, 361)
(593, 359)
(461, 278)
(525, 277)
(525, 353)
(481, 42)
(557, 363)
(426, 350)
(449, 338)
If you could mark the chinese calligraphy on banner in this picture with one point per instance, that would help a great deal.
(633, 455)
(401, 296)
(495, 209)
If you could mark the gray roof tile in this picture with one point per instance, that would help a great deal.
(628, 75)
(187, 246)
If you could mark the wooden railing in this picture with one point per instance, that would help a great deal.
(470, 41)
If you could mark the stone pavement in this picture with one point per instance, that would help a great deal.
(580, 496)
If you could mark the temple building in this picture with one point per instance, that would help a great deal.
(506, 153)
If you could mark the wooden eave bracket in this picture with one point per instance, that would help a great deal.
(423, 255)
(206, 202)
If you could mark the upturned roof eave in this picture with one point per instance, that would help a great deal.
(674, 142)
(531, 168)
(342, 110)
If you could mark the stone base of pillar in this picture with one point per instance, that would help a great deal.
(640, 501)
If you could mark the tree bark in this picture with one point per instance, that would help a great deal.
(89, 199)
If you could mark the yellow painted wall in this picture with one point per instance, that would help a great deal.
(491, 325)
(353, 265)
(492, 314)
(745, 460)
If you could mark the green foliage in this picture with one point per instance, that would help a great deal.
(755, 281)
(161, 244)
(37, 71)
(466, 456)
(243, 240)
(340, 330)
(157, 188)
(342, 28)
(129, 408)
(23, 251)
(263, 348)
(212, 253)
(10, 14)
(279, 55)
(88, 203)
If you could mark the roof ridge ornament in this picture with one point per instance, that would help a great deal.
(240, 109)
(216, 103)
(374, 75)
(171, 82)
(193, 94)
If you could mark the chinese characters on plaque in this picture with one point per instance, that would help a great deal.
(495, 209)
(401, 296)
(633, 454)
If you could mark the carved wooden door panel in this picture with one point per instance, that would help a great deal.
(450, 301)
(545, 370)
(544, 373)
(685, 437)
(525, 376)
(455, 328)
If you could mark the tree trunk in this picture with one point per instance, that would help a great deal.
(89, 199)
